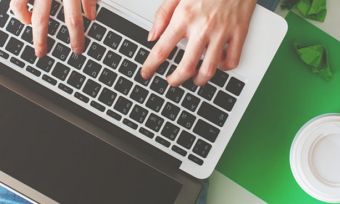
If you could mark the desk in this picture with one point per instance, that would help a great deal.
(257, 156)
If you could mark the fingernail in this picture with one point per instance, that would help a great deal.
(151, 35)
(78, 50)
(144, 75)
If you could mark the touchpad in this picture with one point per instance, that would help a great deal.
(69, 165)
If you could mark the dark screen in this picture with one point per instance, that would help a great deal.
(70, 165)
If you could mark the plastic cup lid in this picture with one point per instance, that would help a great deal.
(315, 158)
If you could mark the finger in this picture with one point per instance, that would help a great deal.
(162, 18)
(19, 8)
(187, 68)
(162, 49)
(89, 7)
(74, 23)
(210, 62)
(40, 18)
(234, 50)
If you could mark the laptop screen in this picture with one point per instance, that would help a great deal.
(8, 195)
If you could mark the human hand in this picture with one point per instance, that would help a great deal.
(40, 16)
(209, 25)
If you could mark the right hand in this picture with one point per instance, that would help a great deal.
(40, 16)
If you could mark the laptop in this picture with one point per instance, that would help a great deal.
(89, 129)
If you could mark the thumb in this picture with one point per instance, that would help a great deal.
(162, 18)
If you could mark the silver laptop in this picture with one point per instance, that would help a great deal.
(190, 124)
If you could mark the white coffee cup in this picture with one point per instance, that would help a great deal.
(315, 158)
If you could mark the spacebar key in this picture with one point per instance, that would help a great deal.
(124, 26)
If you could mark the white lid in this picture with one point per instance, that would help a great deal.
(315, 158)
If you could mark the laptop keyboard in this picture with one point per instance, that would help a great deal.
(183, 121)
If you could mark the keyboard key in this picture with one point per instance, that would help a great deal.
(92, 68)
(53, 26)
(124, 26)
(86, 23)
(189, 84)
(91, 88)
(76, 80)
(65, 88)
(206, 131)
(4, 55)
(154, 122)
(163, 67)
(107, 77)
(87, 43)
(141, 56)
(54, 7)
(170, 131)
(220, 78)
(45, 63)
(114, 115)
(107, 97)
(97, 106)
(14, 26)
(4, 5)
(130, 124)
(49, 79)
(97, 31)
(207, 91)
(178, 150)
(172, 54)
(63, 34)
(155, 102)
(33, 71)
(159, 85)
(139, 94)
(123, 85)
(17, 62)
(146, 132)
(163, 142)
(175, 94)
(112, 40)
(140, 79)
(81, 97)
(212, 114)
(61, 15)
(186, 120)
(179, 56)
(225, 101)
(186, 139)
(170, 111)
(138, 114)
(96, 51)
(190, 102)
(202, 148)
(235, 86)
(27, 35)
(112, 59)
(14, 46)
(195, 159)
(123, 105)
(128, 68)
(171, 70)
(60, 71)
(3, 19)
(76, 61)
(61, 51)
(50, 43)
(3, 38)
(128, 48)
(28, 54)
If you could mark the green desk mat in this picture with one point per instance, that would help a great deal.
(257, 156)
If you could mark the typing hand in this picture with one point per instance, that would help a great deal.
(40, 16)
(208, 25)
